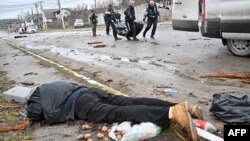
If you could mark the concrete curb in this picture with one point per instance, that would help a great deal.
(68, 70)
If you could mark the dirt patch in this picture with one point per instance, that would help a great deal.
(9, 112)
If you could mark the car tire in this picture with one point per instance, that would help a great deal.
(239, 47)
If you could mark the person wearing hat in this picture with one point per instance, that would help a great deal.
(94, 21)
(110, 17)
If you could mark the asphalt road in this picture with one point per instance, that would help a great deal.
(174, 59)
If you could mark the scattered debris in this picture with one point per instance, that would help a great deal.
(100, 135)
(15, 55)
(19, 36)
(6, 64)
(162, 86)
(18, 94)
(28, 83)
(99, 46)
(105, 129)
(80, 137)
(117, 58)
(204, 101)
(133, 60)
(86, 127)
(228, 75)
(192, 39)
(192, 95)
(155, 43)
(156, 64)
(15, 128)
(91, 43)
(30, 73)
(168, 62)
(148, 57)
(170, 91)
(110, 80)
(200, 62)
(206, 39)
(113, 46)
(177, 44)
(96, 73)
(184, 63)
(246, 81)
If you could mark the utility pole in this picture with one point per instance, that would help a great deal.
(43, 15)
(61, 15)
(32, 15)
(36, 4)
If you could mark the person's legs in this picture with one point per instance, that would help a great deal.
(149, 24)
(134, 31)
(129, 101)
(155, 21)
(90, 106)
(114, 30)
(129, 30)
(107, 27)
(102, 112)
(94, 29)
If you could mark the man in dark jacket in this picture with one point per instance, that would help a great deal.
(93, 20)
(59, 101)
(118, 16)
(110, 19)
(129, 19)
(152, 14)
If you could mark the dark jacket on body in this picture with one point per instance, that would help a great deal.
(48, 100)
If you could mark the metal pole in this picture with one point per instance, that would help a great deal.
(43, 15)
(60, 9)
(37, 15)
(32, 14)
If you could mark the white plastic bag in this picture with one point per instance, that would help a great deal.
(137, 132)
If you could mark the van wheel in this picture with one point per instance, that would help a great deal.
(239, 47)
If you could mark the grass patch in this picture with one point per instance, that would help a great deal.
(9, 113)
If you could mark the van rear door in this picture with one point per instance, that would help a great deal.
(185, 15)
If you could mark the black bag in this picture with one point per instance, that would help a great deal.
(122, 30)
(231, 109)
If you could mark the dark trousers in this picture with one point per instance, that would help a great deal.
(131, 29)
(151, 21)
(110, 23)
(107, 27)
(94, 29)
(108, 108)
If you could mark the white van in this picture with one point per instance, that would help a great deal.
(225, 19)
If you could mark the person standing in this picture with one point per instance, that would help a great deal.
(110, 18)
(152, 14)
(130, 20)
(94, 21)
(118, 16)
(106, 24)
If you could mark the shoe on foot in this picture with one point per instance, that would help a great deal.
(117, 39)
(196, 112)
(144, 35)
(181, 116)
(135, 39)
(152, 37)
(128, 38)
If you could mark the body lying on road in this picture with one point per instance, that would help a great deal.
(60, 101)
